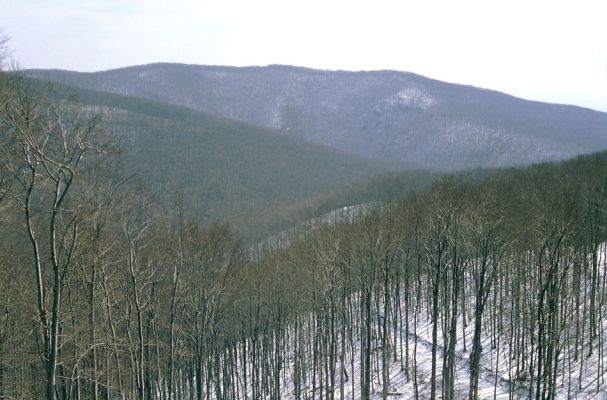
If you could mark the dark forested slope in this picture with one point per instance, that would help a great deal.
(220, 168)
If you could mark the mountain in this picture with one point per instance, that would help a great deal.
(221, 169)
(387, 115)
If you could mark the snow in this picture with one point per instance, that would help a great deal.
(412, 97)
(347, 214)
(493, 383)
(496, 379)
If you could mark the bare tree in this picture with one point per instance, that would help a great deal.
(485, 247)
(5, 51)
(52, 139)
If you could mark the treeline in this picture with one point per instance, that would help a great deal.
(103, 295)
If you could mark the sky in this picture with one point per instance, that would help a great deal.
(547, 50)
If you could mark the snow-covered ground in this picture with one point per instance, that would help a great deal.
(582, 378)
(494, 383)
(347, 214)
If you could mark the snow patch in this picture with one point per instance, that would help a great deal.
(411, 98)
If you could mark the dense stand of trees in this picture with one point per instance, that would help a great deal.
(105, 296)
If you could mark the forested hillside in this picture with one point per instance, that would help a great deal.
(493, 282)
(217, 168)
(386, 115)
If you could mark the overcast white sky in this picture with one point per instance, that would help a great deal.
(547, 50)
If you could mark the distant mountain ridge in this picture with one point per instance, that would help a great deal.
(387, 115)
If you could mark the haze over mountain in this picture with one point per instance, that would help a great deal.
(387, 115)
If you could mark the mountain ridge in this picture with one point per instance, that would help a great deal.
(288, 67)
(388, 115)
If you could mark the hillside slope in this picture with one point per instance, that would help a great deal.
(220, 168)
(386, 115)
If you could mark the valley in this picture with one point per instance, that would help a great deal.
(176, 232)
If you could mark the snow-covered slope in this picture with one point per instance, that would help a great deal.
(411, 362)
